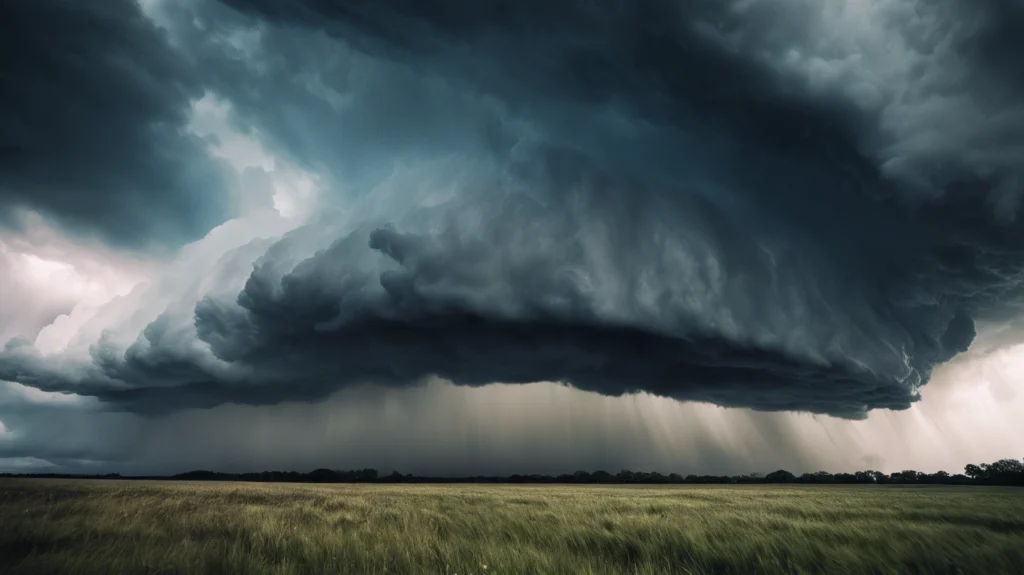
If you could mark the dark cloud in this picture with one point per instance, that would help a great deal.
(441, 77)
(93, 106)
(521, 296)
(345, 115)
(650, 197)
(944, 103)
(1000, 39)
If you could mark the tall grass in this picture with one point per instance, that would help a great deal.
(115, 527)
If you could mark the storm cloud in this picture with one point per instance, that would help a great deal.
(93, 109)
(740, 203)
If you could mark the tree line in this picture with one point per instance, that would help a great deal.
(1002, 472)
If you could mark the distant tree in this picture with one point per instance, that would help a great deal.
(1007, 472)
(865, 477)
(975, 472)
(780, 476)
(322, 476)
(1002, 472)
(198, 475)
(817, 477)
(582, 477)
(624, 476)
(910, 476)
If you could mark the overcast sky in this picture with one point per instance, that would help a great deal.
(712, 236)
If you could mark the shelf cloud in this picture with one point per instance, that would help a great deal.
(781, 205)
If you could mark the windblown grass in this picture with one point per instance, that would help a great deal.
(121, 527)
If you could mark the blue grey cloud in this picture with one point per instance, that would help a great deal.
(682, 199)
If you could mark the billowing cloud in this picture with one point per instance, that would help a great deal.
(928, 91)
(93, 109)
(739, 203)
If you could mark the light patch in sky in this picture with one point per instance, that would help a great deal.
(293, 190)
(211, 120)
(63, 277)
(50, 273)
(60, 271)
(154, 11)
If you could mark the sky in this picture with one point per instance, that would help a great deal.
(519, 236)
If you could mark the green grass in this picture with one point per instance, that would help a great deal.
(115, 527)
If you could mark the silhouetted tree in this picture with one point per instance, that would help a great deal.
(780, 476)
(817, 477)
(1002, 472)
(865, 477)
(624, 476)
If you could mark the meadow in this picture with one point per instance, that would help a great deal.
(122, 527)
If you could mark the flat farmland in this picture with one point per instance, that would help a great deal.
(138, 527)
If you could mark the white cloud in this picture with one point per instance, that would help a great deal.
(46, 273)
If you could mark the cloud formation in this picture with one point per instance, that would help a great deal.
(93, 109)
(740, 203)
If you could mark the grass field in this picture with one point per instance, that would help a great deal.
(120, 527)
